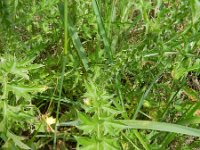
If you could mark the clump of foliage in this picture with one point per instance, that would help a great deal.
(99, 74)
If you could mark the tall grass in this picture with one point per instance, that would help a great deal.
(64, 61)
(99, 74)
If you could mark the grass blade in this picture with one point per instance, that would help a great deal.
(145, 95)
(160, 126)
(141, 139)
(135, 146)
(102, 30)
(66, 45)
(78, 45)
(192, 120)
(75, 38)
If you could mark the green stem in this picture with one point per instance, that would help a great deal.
(98, 129)
(66, 44)
(66, 27)
(141, 139)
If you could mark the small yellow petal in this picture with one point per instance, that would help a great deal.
(86, 101)
(50, 120)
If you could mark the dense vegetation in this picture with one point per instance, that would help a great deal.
(99, 74)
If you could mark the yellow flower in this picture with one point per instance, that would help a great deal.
(50, 120)
(86, 101)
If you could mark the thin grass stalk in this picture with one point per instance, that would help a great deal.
(66, 45)
(129, 140)
(141, 139)
(145, 95)
(111, 19)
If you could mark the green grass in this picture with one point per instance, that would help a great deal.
(99, 74)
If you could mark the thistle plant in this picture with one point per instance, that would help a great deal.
(99, 111)
(16, 109)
